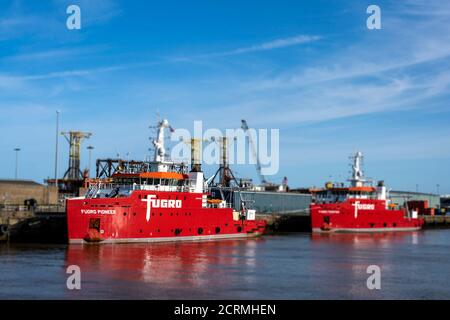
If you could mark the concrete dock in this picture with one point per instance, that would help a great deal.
(437, 221)
(45, 224)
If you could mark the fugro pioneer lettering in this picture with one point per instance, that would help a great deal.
(152, 202)
(93, 211)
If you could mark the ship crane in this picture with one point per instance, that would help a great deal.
(225, 174)
(75, 138)
(245, 127)
(264, 182)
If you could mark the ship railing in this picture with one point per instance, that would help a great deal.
(130, 187)
(219, 206)
(111, 186)
(157, 187)
(13, 207)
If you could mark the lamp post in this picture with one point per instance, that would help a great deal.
(90, 148)
(17, 161)
(437, 188)
(56, 147)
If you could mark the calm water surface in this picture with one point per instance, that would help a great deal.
(413, 265)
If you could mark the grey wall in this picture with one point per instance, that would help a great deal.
(274, 202)
(399, 197)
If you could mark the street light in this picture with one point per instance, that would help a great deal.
(90, 148)
(17, 160)
(56, 147)
(437, 188)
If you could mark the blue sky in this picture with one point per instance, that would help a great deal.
(310, 68)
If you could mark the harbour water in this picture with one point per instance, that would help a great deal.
(414, 265)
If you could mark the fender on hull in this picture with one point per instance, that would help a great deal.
(168, 239)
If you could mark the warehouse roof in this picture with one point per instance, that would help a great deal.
(19, 182)
(413, 193)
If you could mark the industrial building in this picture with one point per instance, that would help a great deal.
(274, 202)
(265, 202)
(400, 197)
(17, 192)
(445, 203)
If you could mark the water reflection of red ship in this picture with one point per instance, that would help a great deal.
(172, 265)
(365, 239)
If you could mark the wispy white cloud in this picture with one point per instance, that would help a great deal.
(52, 55)
(70, 73)
(425, 8)
(10, 83)
(15, 26)
(274, 44)
(265, 46)
(71, 52)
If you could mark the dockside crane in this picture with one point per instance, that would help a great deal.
(264, 182)
(245, 127)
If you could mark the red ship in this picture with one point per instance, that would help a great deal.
(164, 202)
(359, 208)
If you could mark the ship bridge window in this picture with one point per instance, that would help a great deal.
(127, 180)
(147, 181)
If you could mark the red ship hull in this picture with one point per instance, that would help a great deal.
(360, 216)
(152, 216)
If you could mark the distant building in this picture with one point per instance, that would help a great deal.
(16, 192)
(400, 197)
(445, 203)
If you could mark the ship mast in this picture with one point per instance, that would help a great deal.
(357, 179)
(160, 151)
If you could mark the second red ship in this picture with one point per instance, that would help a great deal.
(359, 208)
